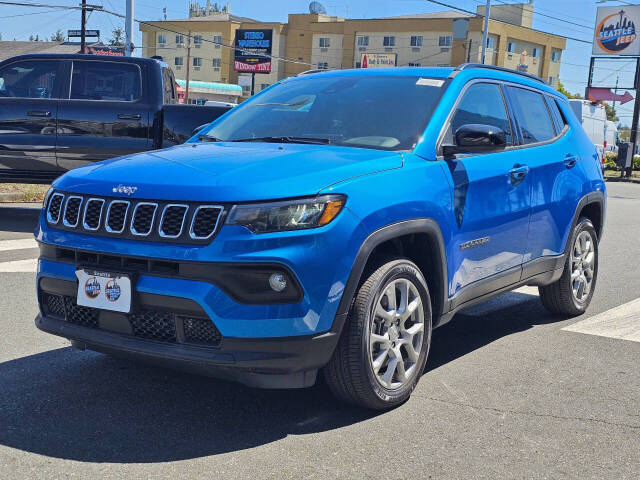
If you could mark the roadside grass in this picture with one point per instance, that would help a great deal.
(25, 192)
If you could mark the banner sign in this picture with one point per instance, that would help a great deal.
(78, 33)
(251, 48)
(377, 60)
(616, 32)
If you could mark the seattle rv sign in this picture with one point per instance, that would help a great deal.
(616, 32)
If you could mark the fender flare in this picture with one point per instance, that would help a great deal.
(596, 197)
(389, 232)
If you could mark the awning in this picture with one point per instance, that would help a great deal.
(211, 87)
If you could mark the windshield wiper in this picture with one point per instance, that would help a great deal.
(287, 139)
(203, 137)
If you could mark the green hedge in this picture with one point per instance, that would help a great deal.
(610, 161)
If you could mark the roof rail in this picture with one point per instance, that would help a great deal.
(313, 70)
(465, 66)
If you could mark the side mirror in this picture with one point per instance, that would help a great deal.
(475, 137)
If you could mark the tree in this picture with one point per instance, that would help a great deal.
(562, 90)
(58, 36)
(611, 112)
(117, 37)
(31, 38)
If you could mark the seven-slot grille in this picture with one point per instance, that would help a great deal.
(159, 221)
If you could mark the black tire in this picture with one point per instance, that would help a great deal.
(558, 297)
(349, 374)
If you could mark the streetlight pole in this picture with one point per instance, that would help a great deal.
(128, 29)
(485, 35)
(83, 27)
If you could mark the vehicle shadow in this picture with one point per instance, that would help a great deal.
(85, 406)
(18, 219)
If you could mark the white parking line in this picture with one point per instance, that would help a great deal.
(19, 266)
(19, 244)
(622, 322)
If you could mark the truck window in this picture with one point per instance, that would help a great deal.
(28, 79)
(113, 81)
(168, 87)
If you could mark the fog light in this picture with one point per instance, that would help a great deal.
(277, 282)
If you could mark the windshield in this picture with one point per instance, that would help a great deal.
(382, 112)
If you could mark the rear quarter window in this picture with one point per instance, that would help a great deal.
(112, 81)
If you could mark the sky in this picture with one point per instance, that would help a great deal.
(552, 16)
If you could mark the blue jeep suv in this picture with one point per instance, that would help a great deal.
(327, 224)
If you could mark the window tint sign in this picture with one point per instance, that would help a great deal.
(251, 48)
(377, 60)
(615, 32)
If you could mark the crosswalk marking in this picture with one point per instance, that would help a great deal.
(19, 244)
(19, 266)
(622, 322)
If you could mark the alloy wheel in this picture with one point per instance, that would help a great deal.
(582, 265)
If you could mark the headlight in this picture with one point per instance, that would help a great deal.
(287, 215)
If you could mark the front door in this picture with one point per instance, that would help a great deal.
(491, 193)
(28, 112)
(105, 115)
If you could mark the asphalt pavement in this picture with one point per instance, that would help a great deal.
(509, 392)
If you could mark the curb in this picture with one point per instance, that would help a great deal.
(622, 180)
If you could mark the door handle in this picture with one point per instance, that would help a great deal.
(570, 161)
(129, 116)
(517, 173)
(38, 113)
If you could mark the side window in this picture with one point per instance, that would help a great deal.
(28, 79)
(167, 83)
(482, 103)
(105, 81)
(556, 114)
(532, 115)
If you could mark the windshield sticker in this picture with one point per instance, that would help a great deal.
(430, 82)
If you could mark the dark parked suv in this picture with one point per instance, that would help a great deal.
(328, 224)
(58, 112)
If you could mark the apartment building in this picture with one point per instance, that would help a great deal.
(316, 40)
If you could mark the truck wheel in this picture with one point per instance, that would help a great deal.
(384, 345)
(572, 293)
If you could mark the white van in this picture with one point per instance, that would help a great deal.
(593, 117)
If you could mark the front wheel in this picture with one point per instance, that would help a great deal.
(384, 345)
(572, 293)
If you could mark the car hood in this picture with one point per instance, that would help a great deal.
(229, 172)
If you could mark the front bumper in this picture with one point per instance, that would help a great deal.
(290, 362)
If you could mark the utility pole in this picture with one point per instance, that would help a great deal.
(615, 90)
(83, 27)
(636, 111)
(469, 51)
(128, 28)
(485, 35)
(253, 83)
(186, 90)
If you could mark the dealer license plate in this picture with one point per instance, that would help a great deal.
(104, 290)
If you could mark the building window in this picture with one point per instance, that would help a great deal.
(179, 39)
(444, 41)
(363, 41)
(217, 39)
(263, 86)
(162, 38)
(324, 42)
(197, 62)
(511, 47)
(216, 63)
(535, 53)
(414, 64)
(323, 65)
(197, 39)
(490, 42)
(552, 81)
(358, 64)
(246, 90)
(555, 56)
(178, 61)
(416, 40)
(389, 41)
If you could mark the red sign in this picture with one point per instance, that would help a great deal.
(252, 67)
(605, 94)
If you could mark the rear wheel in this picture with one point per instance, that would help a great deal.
(385, 342)
(572, 293)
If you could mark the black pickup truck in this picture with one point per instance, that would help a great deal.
(58, 112)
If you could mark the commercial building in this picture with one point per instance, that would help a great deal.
(318, 40)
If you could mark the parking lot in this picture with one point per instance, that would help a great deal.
(509, 392)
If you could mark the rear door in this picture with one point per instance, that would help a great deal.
(105, 113)
(491, 193)
(28, 112)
